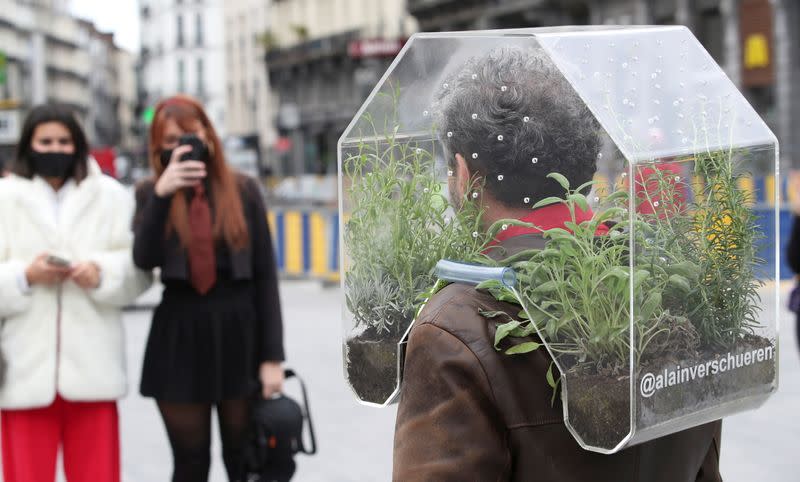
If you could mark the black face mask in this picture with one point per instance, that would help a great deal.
(52, 164)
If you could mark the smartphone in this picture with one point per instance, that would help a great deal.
(58, 261)
(198, 152)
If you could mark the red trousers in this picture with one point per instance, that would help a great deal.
(88, 433)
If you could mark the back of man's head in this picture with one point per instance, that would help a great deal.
(514, 118)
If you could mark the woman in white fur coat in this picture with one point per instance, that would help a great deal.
(66, 271)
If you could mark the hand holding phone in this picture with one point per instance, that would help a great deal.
(199, 151)
(186, 172)
(47, 270)
(58, 261)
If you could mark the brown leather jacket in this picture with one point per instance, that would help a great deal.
(469, 412)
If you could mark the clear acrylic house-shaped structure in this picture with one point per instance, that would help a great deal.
(674, 329)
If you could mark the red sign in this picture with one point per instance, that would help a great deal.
(106, 157)
(283, 144)
(375, 48)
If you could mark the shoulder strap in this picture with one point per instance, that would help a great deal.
(289, 373)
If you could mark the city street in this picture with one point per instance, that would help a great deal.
(355, 442)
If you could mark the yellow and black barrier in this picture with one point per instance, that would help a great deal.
(306, 243)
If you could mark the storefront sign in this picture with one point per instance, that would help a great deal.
(9, 126)
(756, 51)
(375, 48)
(756, 33)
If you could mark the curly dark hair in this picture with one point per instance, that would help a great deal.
(514, 118)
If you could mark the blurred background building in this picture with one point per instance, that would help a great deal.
(281, 79)
(249, 120)
(48, 55)
(323, 58)
(182, 50)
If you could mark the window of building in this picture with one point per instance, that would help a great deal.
(201, 87)
(254, 104)
(181, 76)
(663, 11)
(710, 30)
(179, 40)
(198, 30)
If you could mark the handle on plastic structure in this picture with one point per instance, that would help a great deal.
(474, 274)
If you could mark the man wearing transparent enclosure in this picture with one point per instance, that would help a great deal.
(468, 411)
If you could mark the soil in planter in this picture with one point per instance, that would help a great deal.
(599, 406)
(372, 367)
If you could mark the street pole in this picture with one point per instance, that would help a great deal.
(38, 70)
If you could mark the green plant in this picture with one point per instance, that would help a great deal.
(577, 290)
(399, 228)
(301, 31)
(722, 238)
(268, 40)
(689, 266)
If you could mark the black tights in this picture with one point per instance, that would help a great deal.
(189, 431)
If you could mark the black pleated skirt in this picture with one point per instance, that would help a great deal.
(202, 348)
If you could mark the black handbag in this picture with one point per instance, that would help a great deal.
(275, 436)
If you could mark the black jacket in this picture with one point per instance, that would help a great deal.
(793, 247)
(152, 248)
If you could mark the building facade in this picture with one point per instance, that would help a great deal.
(48, 55)
(249, 108)
(126, 65)
(103, 125)
(323, 59)
(183, 52)
(755, 41)
(45, 57)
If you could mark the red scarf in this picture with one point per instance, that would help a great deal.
(548, 217)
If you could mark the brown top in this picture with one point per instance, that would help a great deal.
(467, 412)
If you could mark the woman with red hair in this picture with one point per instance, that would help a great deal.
(218, 329)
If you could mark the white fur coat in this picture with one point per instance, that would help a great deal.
(65, 339)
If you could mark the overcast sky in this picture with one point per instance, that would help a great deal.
(118, 16)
